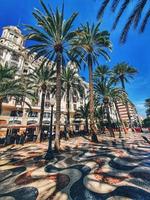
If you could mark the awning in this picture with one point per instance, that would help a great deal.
(16, 126)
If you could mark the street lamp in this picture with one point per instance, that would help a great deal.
(49, 155)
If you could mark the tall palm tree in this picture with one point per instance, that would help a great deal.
(137, 13)
(53, 35)
(83, 113)
(90, 44)
(72, 86)
(101, 74)
(104, 94)
(120, 97)
(108, 94)
(122, 72)
(42, 79)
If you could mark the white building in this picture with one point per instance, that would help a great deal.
(13, 51)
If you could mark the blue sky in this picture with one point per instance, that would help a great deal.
(135, 51)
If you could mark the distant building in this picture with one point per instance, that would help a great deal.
(134, 118)
(13, 51)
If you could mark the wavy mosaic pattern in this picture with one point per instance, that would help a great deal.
(110, 170)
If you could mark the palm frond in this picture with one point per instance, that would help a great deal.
(135, 16)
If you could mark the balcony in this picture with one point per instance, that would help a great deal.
(15, 120)
(32, 120)
(46, 115)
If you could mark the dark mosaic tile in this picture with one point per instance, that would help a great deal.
(120, 167)
(25, 193)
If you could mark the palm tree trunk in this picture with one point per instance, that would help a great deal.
(87, 125)
(1, 101)
(68, 113)
(68, 108)
(40, 134)
(120, 119)
(109, 122)
(58, 101)
(91, 100)
(122, 82)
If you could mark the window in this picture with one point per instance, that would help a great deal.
(16, 113)
(25, 71)
(11, 36)
(46, 115)
(15, 57)
(1, 41)
(47, 104)
(18, 101)
(32, 114)
(74, 106)
(48, 96)
(74, 99)
(15, 38)
(5, 100)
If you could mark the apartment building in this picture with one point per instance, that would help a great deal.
(127, 113)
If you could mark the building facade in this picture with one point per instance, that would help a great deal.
(14, 114)
(129, 115)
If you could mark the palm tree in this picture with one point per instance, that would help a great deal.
(147, 106)
(83, 113)
(53, 36)
(102, 73)
(10, 85)
(104, 94)
(42, 79)
(120, 97)
(90, 44)
(72, 86)
(137, 13)
(6, 76)
(98, 114)
(108, 94)
(122, 72)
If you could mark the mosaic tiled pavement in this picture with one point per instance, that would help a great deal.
(112, 170)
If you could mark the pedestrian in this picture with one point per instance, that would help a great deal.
(22, 138)
(18, 136)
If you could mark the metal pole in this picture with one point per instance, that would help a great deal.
(49, 155)
(50, 130)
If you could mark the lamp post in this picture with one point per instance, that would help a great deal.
(49, 155)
